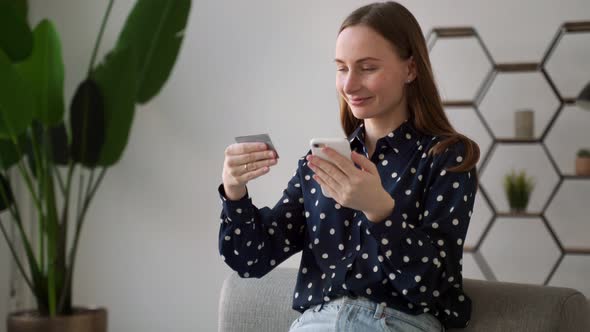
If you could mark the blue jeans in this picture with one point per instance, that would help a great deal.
(346, 314)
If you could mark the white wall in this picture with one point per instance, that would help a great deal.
(4, 277)
(149, 247)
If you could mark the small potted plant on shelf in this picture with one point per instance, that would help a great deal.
(518, 188)
(583, 162)
(60, 156)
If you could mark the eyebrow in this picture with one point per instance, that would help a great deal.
(359, 60)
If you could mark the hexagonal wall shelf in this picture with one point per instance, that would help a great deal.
(515, 260)
(470, 267)
(466, 121)
(480, 98)
(480, 220)
(518, 88)
(569, 130)
(574, 231)
(517, 156)
(460, 64)
(573, 271)
(566, 61)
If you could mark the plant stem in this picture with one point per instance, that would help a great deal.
(41, 216)
(14, 211)
(79, 224)
(25, 174)
(97, 44)
(60, 181)
(89, 184)
(16, 258)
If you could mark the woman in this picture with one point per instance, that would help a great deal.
(385, 251)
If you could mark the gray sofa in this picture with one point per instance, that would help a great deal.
(259, 305)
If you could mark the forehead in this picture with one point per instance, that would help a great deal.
(359, 42)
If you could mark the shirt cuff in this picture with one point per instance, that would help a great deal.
(389, 232)
(241, 210)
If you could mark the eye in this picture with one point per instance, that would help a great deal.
(368, 69)
(341, 69)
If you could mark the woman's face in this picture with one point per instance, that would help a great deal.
(370, 75)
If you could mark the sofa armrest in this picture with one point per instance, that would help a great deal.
(258, 305)
(504, 306)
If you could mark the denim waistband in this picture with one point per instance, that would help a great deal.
(379, 309)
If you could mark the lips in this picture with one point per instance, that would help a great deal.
(358, 101)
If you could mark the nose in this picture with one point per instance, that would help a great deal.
(351, 83)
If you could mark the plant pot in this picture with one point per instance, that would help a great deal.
(583, 166)
(83, 320)
(517, 210)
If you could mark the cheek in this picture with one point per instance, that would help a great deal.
(387, 87)
(340, 82)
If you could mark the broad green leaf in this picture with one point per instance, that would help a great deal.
(20, 6)
(16, 39)
(117, 79)
(44, 71)
(9, 155)
(155, 29)
(6, 196)
(54, 139)
(60, 150)
(87, 123)
(16, 100)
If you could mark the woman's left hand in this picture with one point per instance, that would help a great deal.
(358, 189)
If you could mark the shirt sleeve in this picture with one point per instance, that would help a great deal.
(254, 241)
(424, 256)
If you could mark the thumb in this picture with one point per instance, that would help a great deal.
(364, 163)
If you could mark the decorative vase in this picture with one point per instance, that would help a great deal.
(82, 320)
(583, 166)
(524, 124)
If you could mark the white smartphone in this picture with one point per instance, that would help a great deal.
(340, 145)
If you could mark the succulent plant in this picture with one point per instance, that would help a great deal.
(518, 189)
(584, 153)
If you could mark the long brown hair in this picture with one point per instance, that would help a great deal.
(396, 24)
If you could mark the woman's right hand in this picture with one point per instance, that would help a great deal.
(244, 162)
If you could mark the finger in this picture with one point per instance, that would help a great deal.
(251, 175)
(243, 148)
(345, 165)
(250, 167)
(237, 160)
(326, 187)
(328, 167)
(327, 177)
(364, 163)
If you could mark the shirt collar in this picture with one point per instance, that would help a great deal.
(401, 139)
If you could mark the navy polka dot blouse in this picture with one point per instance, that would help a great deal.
(411, 261)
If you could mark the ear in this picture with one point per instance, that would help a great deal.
(411, 69)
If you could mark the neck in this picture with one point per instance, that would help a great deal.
(377, 127)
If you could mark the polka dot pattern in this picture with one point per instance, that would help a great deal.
(405, 261)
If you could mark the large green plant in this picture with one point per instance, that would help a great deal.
(47, 146)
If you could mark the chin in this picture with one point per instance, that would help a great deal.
(362, 113)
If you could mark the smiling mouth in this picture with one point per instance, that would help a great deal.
(358, 101)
